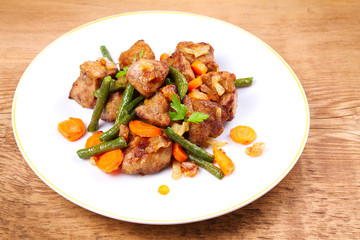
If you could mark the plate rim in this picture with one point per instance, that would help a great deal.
(148, 221)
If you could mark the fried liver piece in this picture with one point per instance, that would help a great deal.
(228, 100)
(91, 75)
(112, 107)
(179, 61)
(211, 127)
(126, 58)
(155, 110)
(147, 155)
(147, 76)
(202, 52)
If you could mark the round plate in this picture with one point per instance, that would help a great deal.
(275, 106)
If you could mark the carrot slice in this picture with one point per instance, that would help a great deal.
(93, 139)
(199, 68)
(225, 163)
(178, 153)
(144, 129)
(72, 129)
(195, 83)
(243, 134)
(110, 161)
(164, 56)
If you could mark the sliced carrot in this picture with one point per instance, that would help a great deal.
(164, 56)
(195, 83)
(72, 129)
(93, 139)
(198, 95)
(110, 161)
(243, 134)
(199, 68)
(225, 163)
(144, 129)
(178, 153)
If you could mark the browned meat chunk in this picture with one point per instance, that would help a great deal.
(126, 58)
(202, 52)
(147, 76)
(228, 99)
(112, 107)
(91, 76)
(169, 91)
(211, 127)
(147, 155)
(155, 110)
(179, 61)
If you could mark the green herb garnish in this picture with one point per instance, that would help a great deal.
(180, 109)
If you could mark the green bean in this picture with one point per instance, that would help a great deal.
(100, 104)
(114, 87)
(194, 149)
(102, 148)
(168, 81)
(106, 53)
(128, 115)
(114, 131)
(211, 168)
(243, 82)
(126, 98)
(180, 81)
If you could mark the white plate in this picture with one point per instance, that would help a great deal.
(275, 106)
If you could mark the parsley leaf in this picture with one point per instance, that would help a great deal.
(180, 109)
(197, 117)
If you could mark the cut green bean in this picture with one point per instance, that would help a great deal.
(126, 99)
(114, 131)
(114, 87)
(180, 81)
(194, 149)
(102, 148)
(100, 103)
(243, 82)
(106, 53)
(168, 81)
(128, 115)
(211, 168)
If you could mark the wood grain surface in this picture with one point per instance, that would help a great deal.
(318, 199)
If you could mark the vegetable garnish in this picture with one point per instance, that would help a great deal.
(72, 129)
(180, 109)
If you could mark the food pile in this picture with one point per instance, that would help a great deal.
(164, 111)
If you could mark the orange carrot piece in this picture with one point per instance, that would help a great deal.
(110, 161)
(199, 68)
(144, 129)
(72, 129)
(178, 153)
(93, 139)
(198, 95)
(164, 56)
(225, 163)
(243, 134)
(195, 83)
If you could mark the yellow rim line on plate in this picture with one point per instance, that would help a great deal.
(180, 220)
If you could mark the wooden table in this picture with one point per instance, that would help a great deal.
(319, 199)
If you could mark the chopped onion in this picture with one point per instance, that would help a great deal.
(213, 142)
(198, 51)
(218, 113)
(176, 170)
(180, 129)
(220, 90)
